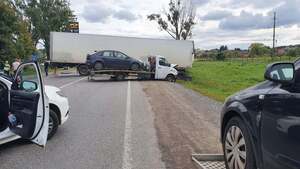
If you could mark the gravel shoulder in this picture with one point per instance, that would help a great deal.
(185, 123)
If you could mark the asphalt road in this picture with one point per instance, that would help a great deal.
(110, 127)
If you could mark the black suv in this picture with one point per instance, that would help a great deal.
(260, 126)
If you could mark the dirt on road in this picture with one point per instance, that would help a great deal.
(185, 123)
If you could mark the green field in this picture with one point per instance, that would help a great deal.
(220, 79)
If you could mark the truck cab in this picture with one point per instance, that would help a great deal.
(164, 70)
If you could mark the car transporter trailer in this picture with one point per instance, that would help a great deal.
(123, 74)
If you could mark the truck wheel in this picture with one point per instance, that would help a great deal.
(53, 124)
(98, 66)
(135, 67)
(83, 70)
(171, 78)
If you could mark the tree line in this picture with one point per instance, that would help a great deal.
(26, 24)
(255, 50)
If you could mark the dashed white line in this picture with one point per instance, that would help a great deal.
(127, 158)
(71, 83)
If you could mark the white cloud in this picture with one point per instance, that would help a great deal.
(246, 21)
(94, 14)
(216, 15)
(235, 23)
(125, 15)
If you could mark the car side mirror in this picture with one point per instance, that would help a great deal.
(29, 85)
(280, 73)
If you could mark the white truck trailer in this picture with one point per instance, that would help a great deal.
(71, 49)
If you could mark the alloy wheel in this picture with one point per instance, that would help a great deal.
(235, 148)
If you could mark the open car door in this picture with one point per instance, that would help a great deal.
(29, 105)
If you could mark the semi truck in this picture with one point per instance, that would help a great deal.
(71, 49)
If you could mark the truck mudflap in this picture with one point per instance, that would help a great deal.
(209, 161)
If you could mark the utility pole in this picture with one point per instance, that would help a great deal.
(274, 34)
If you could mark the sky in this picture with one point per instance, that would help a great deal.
(235, 23)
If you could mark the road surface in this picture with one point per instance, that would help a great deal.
(123, 125)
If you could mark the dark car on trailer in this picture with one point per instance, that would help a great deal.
(260, 126)
(113, 60)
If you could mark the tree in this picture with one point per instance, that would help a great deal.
(293, 52)
(221, 53)
(223, 48)
(46, 16)
(258, 49)
(178, 22)
(15, 40)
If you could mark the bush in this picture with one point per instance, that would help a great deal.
(294, 52)
(220, 56)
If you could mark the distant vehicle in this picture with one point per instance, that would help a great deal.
(38, 110)
(158, 69)
(260, 126)
(110, 59)
(70, 49)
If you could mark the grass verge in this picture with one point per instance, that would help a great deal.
(219, 79)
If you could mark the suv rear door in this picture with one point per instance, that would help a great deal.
(29, 104)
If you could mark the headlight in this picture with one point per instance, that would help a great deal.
(60, 93)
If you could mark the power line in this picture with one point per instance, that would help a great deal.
(274, 34)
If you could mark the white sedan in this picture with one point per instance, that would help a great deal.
(37, 110)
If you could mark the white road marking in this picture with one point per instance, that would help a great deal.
(127, 159)
(71, 83)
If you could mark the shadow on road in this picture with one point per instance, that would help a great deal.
(14, 144)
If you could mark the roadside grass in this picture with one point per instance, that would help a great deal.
(220, 79)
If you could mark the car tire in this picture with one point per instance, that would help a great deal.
(53, 124)
(98, 66)
(237, 146)
(171, 78)
(135, 67)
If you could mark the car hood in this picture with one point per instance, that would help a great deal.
(51, 91)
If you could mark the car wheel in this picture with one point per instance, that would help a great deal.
(238, 151)
(98, 66)
(53, 124)
(170, 78)
(135, 67)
